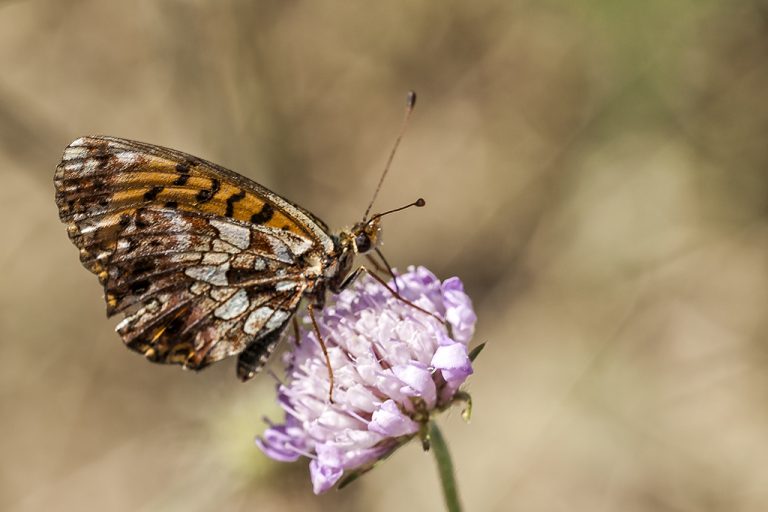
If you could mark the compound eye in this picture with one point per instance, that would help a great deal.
(363, 243)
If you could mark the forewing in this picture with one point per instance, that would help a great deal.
(100, 178)
(203, 262)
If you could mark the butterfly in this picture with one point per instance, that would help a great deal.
(202, 262)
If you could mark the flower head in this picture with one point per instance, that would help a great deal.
(393, 365)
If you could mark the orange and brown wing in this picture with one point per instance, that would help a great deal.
(203, 262)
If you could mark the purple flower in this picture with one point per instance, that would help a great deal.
(393, 366)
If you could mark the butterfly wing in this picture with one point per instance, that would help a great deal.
(203, 262)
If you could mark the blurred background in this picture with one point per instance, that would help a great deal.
(594, 171)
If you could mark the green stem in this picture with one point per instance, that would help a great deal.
(444, 468)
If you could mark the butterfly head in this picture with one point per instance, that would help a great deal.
(362, 238)
(366, 236)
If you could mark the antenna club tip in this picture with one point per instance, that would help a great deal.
(411, 101)
(420, 202)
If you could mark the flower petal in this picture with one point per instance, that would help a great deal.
(418, 382)
(323, 477)
(458, 310)
(390, 421)
(453, 362)
(278, 444)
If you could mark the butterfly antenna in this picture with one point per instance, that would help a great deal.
(389, 268)
(410, 103)
(418, 203)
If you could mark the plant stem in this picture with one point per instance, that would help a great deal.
(444, 468)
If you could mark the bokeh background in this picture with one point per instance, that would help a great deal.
(595, 171)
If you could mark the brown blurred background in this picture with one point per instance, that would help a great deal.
(595, 172)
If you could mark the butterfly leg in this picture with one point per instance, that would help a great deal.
(311, 309)
(354, 275)
(295, 323)
(351, 278)
(386, 269)
(375, 263)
